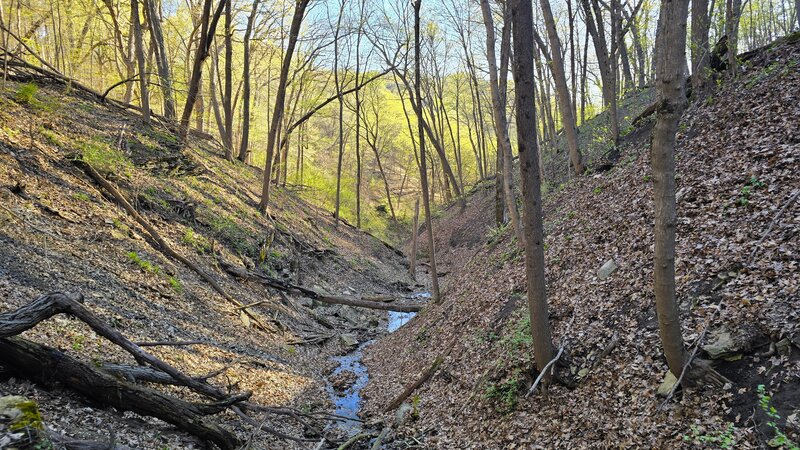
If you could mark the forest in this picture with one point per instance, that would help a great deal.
(366, 224)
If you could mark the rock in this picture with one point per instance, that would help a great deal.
(784, 347)
(20, 423)
(343, 380)
(721, 344)
(352, 315)
(793, 421)
(18, 413)
(348, 340)
(583, 372)
(666, 386)
(607, 269)
(402, 414)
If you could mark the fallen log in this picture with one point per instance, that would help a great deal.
(284, 286)
(47, 365)
(421, 380)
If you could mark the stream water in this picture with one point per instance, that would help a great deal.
(348, 403)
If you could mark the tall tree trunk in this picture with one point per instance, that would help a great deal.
(208, 25)
(423, 171)
(522, 24)
(165, 78)
(670, 76)
(732, 13)
(340, 140)
(500, 122)
(562, 91)
(280, 97)
(227, 96)
(699, 46)
(139, 51)
(244, 151)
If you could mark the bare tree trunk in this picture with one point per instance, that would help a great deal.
(699, 46)
(670, 76)
(732, 14)
(244, 152)
(522, 24)
(338, 82)
(139, 50)
(562, 90)
(412, 265)
(423, 171)
(227, 97)
(500, 122)
(165, 78)
(280, 97)
(208, 26)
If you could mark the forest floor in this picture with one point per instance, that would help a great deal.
(738, 274)
(59, 232)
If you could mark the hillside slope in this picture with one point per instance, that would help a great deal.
(738, 159)
(58, 232)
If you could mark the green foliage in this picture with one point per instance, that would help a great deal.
(29, 419)
(196, 241)
(779, 439)
(505, 392)
(746, 191)
(723, 439)
(51, 137)
(415, 407)
(495, 234)
(176, 284)
(144, 265)
(78, 342)
(597, 190)
(26, 94)
(520, 337)
(82, 196)
(104, 158)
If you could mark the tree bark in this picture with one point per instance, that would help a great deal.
(670, 77)
(500, 122)
(227, 96)
(244, 151)
(139, 50)
(522, 24)
(280, 97)
(699, 45)
(562, 90)
(423, 171)
(208, 25)
(165, 78)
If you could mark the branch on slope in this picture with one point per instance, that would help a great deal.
(163, 246)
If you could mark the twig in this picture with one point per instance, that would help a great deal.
(355, 439)
(377, 444)
(688, 362)
(170, 343)
(772, 224)
(557, 357)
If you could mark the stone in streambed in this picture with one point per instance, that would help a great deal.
(607, 269)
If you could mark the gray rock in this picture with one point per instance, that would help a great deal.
(666, 386)
(348, 340)
(721, 344)
(402, 414)
(607, 269)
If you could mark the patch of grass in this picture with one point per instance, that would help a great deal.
(82, 196)
(506, 392)
(195, 240)
(51, 137)
(176, 285)
(780, 440)
(26, 94)
(495, 234)
(78, 342)
(144, 265)
(722, 439)
(104, 158)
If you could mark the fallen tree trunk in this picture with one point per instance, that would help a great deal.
(46, 306)
(47, 365)
(280, 285)
(426, 375)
